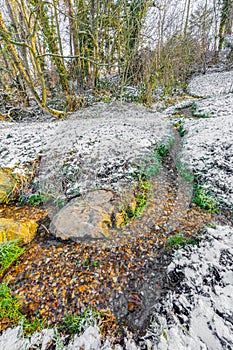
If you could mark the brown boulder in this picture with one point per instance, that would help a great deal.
(88, 218)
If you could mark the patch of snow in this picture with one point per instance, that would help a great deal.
(212, 84)
(200, 307)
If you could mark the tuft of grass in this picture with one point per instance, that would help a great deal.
(77, 324)
(30, 327)
(10, 251)
(9, 306)
(141, 191)
(179, 240)
(202, 115)
(162, 149)
(10, 314)
(212, 225)
(203, 199)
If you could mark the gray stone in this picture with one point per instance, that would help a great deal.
(88, 218)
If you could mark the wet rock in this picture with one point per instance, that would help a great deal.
(7, 184)
(11, 229)
(88, 218)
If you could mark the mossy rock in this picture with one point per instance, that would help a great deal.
(11, 229)
(7, 184)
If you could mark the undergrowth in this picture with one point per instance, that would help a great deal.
(76, 324)
(11, 314)
(204, 200)
(179, 240)
(185, 172)
(9, 307)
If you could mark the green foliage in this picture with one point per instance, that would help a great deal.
(29, 327)
(9, 253)
(60, 202)
(76, 324)
(9, 306)
(179, 125)
(179, 240)
(203, 199)
(38, 199)
(10, 313)
(212, 225)
(87, 263)
(202, 115)
(162, 150)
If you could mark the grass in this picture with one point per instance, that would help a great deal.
(76, 324)
(141, 190)
(179, 240)
(11, 315)
(9, 306)
(204, 200)
(36, 199)
(202, 115)
(9, 253)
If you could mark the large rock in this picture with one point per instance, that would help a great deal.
(11, 229)
(88, 218)
(7, 184)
